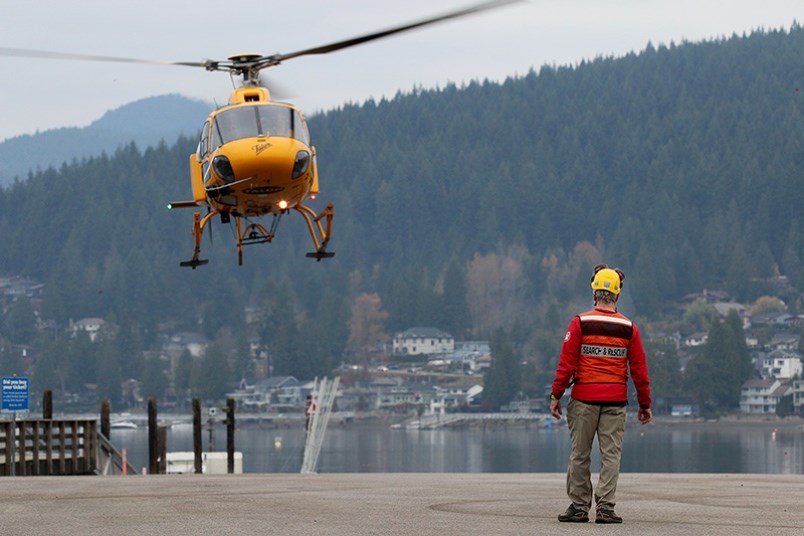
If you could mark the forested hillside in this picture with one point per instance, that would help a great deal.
(471, 209)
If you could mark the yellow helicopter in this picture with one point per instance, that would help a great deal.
(254, 155)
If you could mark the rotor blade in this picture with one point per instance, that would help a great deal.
(278, 91)
(25, 53)
(391, 31)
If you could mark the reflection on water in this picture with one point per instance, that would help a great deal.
(719, 449)
(361, 448)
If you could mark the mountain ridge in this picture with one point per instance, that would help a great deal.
(145, 122)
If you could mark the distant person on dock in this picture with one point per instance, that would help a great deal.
(600, 348)
(309, 409)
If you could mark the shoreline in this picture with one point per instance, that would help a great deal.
(734, 421)
(288, 420)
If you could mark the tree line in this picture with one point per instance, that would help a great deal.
(477, 209)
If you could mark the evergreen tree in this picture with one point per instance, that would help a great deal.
(48, 370)
(11, 362)
(666, 380)
(454, 309)
(717, 375)
(502, 382)
(19, 322)
(110, 376)
(279, 330)
(155, 379)
(208, 379)
(81, 362)
(183, 373)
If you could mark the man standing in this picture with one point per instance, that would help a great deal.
(310, 408)
(599, 349)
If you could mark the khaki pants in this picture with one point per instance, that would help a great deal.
(586, 420)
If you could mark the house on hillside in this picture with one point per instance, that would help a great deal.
(282, 390)
(724, 308)
(798, 396)
(15, 287)
(453, 398)
(247, 397)
(472, 355)
(195, 343)
(397, 395)
(423, 340)
(785, 341)
(174, 346)
(278, 391)
(91, 326)
(782, 365)
(696, 339)
(761, 397)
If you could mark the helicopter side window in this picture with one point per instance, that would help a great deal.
(300, 131)
(216, 140)
(203, 142)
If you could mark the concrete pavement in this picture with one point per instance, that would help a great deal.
(392, 504)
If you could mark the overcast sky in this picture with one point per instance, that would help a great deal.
(39, 94)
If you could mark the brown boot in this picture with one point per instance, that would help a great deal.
(607, 515)
(573, 514)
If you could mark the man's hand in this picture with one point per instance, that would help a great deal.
(644, 415)
(555, 408)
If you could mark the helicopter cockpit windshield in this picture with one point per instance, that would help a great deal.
(260, 120)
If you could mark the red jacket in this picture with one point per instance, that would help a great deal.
(599, 349)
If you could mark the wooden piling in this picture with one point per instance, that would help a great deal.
(197, 442)
(47, 404)
(162, 448)
(153, 453)
(230, 435)
(105, 419)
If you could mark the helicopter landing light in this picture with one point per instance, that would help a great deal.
(283, 204)
(182, 204)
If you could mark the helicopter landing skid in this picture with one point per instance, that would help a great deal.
(318, 255)
(193, 263)
(318, 232)
(198, 230)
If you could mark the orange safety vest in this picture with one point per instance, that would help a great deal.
(605, 338)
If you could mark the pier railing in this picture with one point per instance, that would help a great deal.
(49, 447)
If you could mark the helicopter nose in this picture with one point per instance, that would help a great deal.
(267, 159)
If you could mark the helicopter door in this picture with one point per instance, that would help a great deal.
(198, 165)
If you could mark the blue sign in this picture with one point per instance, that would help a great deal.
(15, 394)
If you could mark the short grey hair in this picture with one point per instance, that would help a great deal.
(605, 296)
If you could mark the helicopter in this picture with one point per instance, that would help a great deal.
(254, 156)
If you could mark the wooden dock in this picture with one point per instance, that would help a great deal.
(56, 447)
(438, 420)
